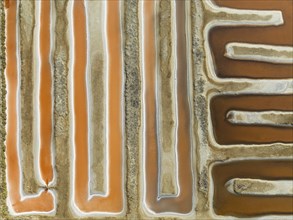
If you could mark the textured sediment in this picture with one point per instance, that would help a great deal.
(204, 85)
(3, 191)
(166, 97)
(26, 40)
(61, 110)
(132, 106)
(97, 99)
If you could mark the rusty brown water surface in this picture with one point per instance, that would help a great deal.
(272, 35)
(228, 133)
(45, 94)
(226, 203)
(6, 3)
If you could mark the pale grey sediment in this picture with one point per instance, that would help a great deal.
(166, 97)
(246, 186)
(97, 89)
(260, 52)
(270, 118)
(26, 38)
(166, 74)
